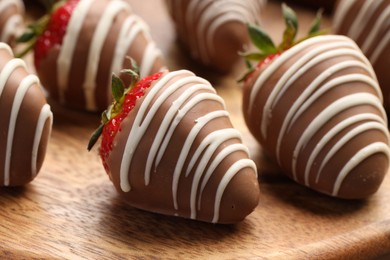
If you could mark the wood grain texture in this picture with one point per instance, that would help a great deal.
(72, 211)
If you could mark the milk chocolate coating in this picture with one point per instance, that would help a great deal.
(178, 154)
(317, 111)
(26, 122)
(214, 31)
(99, 38)
(367, 23)
(11, 20)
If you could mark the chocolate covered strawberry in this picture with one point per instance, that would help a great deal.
(169, 147)
(213, 31)
(80, 43)
(25, 121)
(316, 108)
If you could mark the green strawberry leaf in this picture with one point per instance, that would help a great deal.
(254, 56)
(315, 26)
(290, 17)
(264, 43)
(245, 76)
(26, 37)
(118, 89)
(133, 74)
(261, 39)
(106, 116)
(288, 37)
(95, 136)
(134, 66)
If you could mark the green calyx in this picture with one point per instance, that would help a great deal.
(119, 92)
(35, 29)
(266, 47)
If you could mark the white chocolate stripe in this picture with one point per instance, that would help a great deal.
(332, 133)
(131, 27)
(180, 115)
(218, 159)
(6, 72)
(383, 19)
(383, 44)
(69, 43)
(322, 55)
(233, 170)
(213, 140)
(11, 26)
(207, 147)
(359, 157)
(328, 86)
(167, 122)
(200, 123)
(360, 22)
(343, 8)
(211, 15)
(365, 127)
(329, 39)
(206, 29)
(96, 47)
(193, 10)
(140, 124)
(310, 59)
(24, 86)
(149, 57)
(44, 115)
(216, 24)
(6, 3)
(336, 107)
(4, 46)
(311, 88)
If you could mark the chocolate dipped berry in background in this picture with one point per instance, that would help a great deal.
(25, 121)
(213, 32)
(316, 108)
(367, 22)
(11, 20)
(79, 45)
(177, 152)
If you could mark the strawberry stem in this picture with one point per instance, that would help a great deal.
(119, 92)
(266, 47)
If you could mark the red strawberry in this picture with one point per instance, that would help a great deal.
(49, 31)
(170, 148)
(316, 110)
(125, 100)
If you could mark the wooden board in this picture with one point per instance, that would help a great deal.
(72, 211)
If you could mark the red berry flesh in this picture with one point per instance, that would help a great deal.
(114, 125)
(55, 31)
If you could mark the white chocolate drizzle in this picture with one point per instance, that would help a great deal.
(193, 90)
(44, 115)
(98, 39)
(131, 28)
(26, 83)
(14, 23)
(209, 16)
(29, 81)
(380, 31)
(326, 48)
